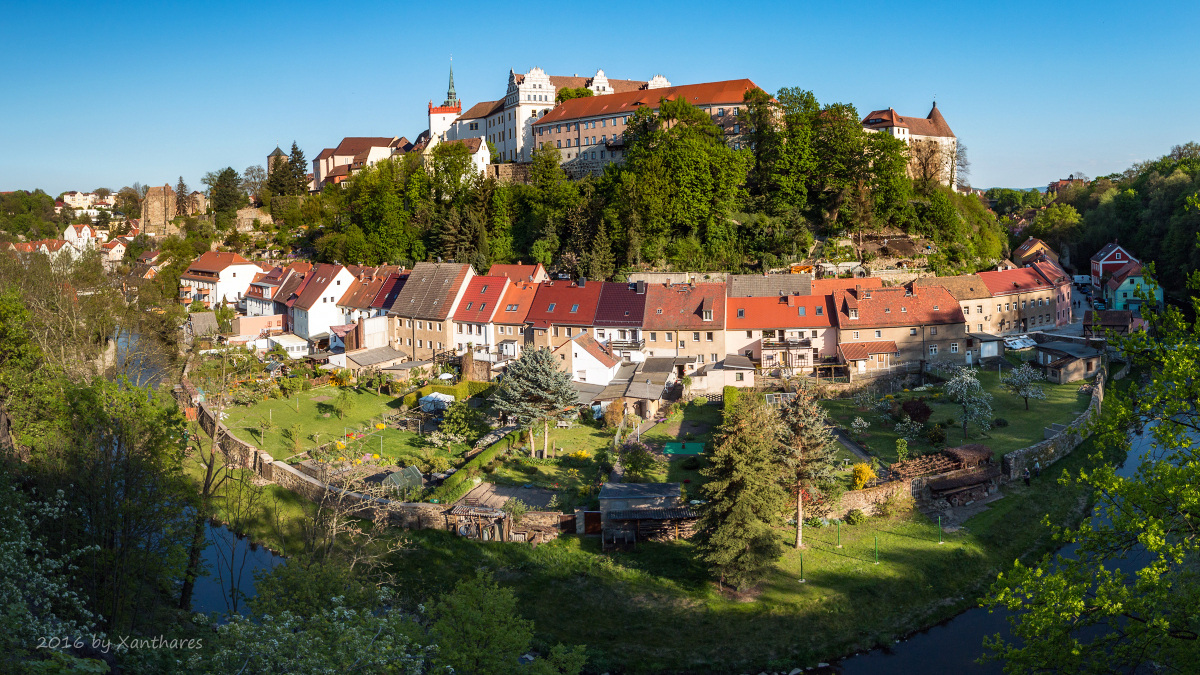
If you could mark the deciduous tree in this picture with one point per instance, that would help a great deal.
(964, 388)
(1024, 381)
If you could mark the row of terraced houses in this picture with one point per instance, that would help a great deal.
(644, 332)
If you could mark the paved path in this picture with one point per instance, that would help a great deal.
(854, 448)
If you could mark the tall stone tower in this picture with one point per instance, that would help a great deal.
(442, 117)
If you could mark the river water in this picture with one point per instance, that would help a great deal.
(955, 645)
(230, 563)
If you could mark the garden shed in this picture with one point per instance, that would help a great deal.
(970, 455)
(408, 478)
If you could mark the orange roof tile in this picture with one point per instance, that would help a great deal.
(729, 92)
(883, 307)
(786, 311)
(861, 351)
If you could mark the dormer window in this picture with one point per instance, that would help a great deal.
(708, 315)
(658, 311)
(867, 295)
(741, 313)
(854, 314)
(935, 308)
(887, 310)
(904, 310)
(820, 311)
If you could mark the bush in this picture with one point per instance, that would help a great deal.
(999, 422)
(855, 517)
(490, 467)
(527, 469)
(863, 474)
(691, 463)
(614, 413)
(935, 435)
(917, 409)
(895, 504)
(950, 421)
(730, 395)
(901, 449)
(814, 522)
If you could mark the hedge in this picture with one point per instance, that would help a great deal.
(456, 485)
(730, 397)
(461, 391)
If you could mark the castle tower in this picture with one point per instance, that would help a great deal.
(442, 117)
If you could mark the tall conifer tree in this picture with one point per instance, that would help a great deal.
(810, 453)
(535, 390)
(299, 170)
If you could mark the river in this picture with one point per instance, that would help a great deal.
(955, 645)
(230, 563)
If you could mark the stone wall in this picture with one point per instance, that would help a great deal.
(508, 173)
(1062, 443)
(869, 499)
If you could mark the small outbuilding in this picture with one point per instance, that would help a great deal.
(1067, 361)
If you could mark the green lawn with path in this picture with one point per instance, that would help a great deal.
(1025, 427)
(316, 414)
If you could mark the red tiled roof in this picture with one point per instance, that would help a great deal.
(517, 272)
(212, 261)
(555, 299)
(481, 110)
(729, 92)
(589, 345)
(519, 296)
(1019, 280)
(352, 145)
(362, 291)
(325, 154)
(779, 312)
(318, 281)
(1051, 272)
(932, 125)
(620, 305)
(962, 287)
(680, 306)
(930, 305)
(860, 351)
(481, 299)
(389, 291)
(1118, 277)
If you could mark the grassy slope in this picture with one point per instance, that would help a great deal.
(1062, 405)
(243, 420)
(655, 609)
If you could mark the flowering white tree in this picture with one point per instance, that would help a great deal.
(964, 389)
(859, 426)
(1024, 381)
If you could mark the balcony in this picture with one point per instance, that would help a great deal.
(787, 343)
(626, 345)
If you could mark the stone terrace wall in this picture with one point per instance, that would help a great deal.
(869, 499)
(1061, 444)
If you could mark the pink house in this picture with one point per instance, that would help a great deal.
(1063, 290)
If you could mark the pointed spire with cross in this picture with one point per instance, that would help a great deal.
(451, 96)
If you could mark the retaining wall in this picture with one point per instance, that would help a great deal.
(869, 499)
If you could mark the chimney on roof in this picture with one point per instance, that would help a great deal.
(641, 288)
(582, 281)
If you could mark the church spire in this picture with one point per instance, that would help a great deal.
(451, 96)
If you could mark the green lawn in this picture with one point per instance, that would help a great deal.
(1062, 405)
(580, 436)
(244, 420)
(402, 448)
(694, 420)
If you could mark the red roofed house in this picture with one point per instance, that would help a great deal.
(1106, 261)
(217, 277)
(80, 236)
(473, 317)
(561, 310)
(915, 131)
(1123, 289)
(477, 150)
(587, 360)
(588, 132)
(111, 254)
(519, 272)
(619, 318)
(787, 334)
(316, 308)
(511, 333)
(1023, 298)
(1064, 290)
(1031, 250)
(883, 329)
(686, 320)
(353, 153)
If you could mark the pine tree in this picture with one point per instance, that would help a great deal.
(736, 534)
(280, 179)
(535, 390)
(810, 452)
(599, 257)
(182, 198)
(299, 171)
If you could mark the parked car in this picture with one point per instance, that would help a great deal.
(1099, 305)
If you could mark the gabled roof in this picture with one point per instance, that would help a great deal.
(555, 300)
(1031, 248)
(481, 110)
(325, 154)
(481, 300)
(730, 92)
(1130, 270)
(757, 285)
(211, 261)
(430, 290)
(587, 343)
(518, 298)
(639, 490)
(828, 286)
(519, 272)
(1051, 272)
(680, 306)
(883, 307)
(1109, 250)
(321, 278)
(1111, 317)
(772, 313)
(1019, 280)
(362, 291)
(861, 351)
(962, 287)
(352, 145)
(1071, 349)
(621, 305)
(932, 125)
(392, 285)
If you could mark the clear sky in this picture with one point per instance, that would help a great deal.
(105, 94)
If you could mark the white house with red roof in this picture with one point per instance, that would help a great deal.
(217, 277)
(333, 165)
(316, 307)
(587, 360)
(1107, 261)
(80, 236)
(473, 317)
(932, 129)
(111, 254)
(789, 333)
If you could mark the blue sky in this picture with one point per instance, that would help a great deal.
(99, 94)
